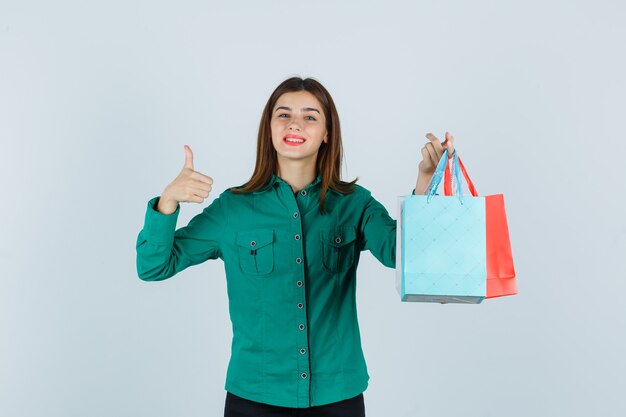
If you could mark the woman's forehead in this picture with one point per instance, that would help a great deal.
(298, 99)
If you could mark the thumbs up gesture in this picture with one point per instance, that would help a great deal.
(188, 186)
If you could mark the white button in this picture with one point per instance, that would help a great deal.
(303, 376)
(303, 192)
(301, 327)
(299, 283)
(302, 351)
(297, 237)
(299, 260)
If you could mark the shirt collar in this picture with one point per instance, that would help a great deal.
(275, 179)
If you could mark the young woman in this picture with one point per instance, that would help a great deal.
(290, 239)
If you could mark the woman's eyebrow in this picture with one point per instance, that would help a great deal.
(303, 109)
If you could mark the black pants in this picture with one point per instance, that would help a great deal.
(240, 407)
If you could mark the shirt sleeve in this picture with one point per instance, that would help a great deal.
(163, 251)
(378, 232)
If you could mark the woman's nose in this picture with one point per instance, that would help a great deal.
(294, 125)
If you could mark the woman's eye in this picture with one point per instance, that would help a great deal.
(285, 114)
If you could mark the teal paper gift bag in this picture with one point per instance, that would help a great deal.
(441, 246)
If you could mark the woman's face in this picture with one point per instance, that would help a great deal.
(298, 114)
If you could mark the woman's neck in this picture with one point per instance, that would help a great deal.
(296, 174)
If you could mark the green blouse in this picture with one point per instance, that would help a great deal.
(291, 282)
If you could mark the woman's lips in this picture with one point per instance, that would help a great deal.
(293, 141)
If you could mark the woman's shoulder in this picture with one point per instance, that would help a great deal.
(229, 194)
(359, 188)
(360, 191)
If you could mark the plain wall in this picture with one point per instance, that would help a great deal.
(97, 100)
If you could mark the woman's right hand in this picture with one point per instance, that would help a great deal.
(189, 186)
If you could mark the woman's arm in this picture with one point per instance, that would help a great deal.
(163, 251)
(378, 232)
(422, 182)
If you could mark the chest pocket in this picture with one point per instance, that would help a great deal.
(256, 251)
(338, 246)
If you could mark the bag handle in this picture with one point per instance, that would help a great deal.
(441, 169)
(435, 180)
(447, 181)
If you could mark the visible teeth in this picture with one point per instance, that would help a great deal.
(294, 140)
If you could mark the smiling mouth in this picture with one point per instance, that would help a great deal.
(294, 141)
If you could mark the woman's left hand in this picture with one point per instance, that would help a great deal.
(432, 152)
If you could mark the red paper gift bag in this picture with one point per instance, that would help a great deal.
(501, 279)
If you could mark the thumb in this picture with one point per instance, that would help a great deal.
(188, 158)
(449, 143)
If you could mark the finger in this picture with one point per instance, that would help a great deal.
(436, 143)
(200, 192)
(426, 163)
(193, 193)
(438, 150)
(432, 153)
(449, 139)
(188, 158)
(449, 144)
(201, 177)
(200, 186)
(432, 138)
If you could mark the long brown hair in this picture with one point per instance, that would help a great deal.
(329, 154)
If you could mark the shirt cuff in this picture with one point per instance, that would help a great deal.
(159, 228)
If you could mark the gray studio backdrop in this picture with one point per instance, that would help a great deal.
(97, 100)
